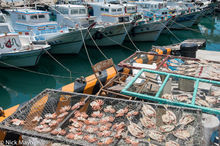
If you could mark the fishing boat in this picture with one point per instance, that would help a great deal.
(112, 23)
(18, 51)
(151, 25)
(37, 25)
(187, 16)
(15, 50)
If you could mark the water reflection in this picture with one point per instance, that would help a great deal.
(5, 98)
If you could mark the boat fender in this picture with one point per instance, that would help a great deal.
(2, 113)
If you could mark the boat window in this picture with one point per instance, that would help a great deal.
(23, 17)
(106, 10)
(129, 8)
(82, 11)
(41, 16)
(4, 29)
(102, 9)
(120, 19)
(74, 11)
(19, 16)
(126, 19)
(120, 9)
(133, 8)
(113, 10)
(64, 11)
(33, 17)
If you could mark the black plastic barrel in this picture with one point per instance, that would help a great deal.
(188, 50)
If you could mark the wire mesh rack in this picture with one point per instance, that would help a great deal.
(175, 90)
(103, 120)
(174, 64)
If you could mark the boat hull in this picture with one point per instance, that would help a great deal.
(67, 43)
(184, 21)
(147, 32)
(110, 35)
(21, 59)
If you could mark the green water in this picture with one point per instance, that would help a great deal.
(17, 86)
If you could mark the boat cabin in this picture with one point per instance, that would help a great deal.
(151, 8)
(130, 8)
(71, 15)
(34, 23)
(4, 26)
(112, 13)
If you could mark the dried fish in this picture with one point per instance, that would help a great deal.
(168, 96)
(171, 143)
(148, 110)
(156, 135)
(201, 102)
(169, 117)
(211, 99)
(135, 130)
(182, 134)
(183, 98)
(147, 122)
(167, 128)
(186, 119)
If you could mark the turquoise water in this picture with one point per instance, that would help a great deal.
(17, 86)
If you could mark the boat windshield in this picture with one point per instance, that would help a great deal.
(4, 29)
(78, 11)
(2, 19)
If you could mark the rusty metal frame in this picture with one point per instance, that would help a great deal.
(166, 57)
(103, 65)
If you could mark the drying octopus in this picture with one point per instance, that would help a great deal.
(121, 112)
(97, 104)
(77, 105)
(109, 109)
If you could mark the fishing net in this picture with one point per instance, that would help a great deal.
(52, 101)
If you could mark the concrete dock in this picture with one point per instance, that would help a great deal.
(208, 55)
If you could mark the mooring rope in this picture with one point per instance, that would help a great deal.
(118, 43)
(70, 72)
(130, 38)
(35, 72)
(97, 45)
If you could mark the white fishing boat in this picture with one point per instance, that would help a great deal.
(112, 23)
(18, 51)
(187, 15)
(149, 27)
(37, 24)
(76, 18)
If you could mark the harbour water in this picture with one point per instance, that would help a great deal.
(18, 86)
